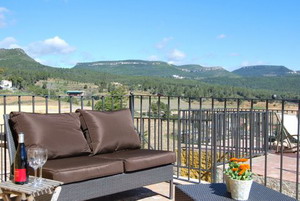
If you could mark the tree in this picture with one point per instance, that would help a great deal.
(115, 101)
(44, 85)
(162, 107)
(88, 103)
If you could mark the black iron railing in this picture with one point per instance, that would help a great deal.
(204, 132)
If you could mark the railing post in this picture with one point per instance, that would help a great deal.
(237, 139)
(266, 137)
(46, 103)
(19, 103)
(178, 138)
(4, 104)
(297, 164)
(59, 104)
(93, 103)
(281, 145)
(251, 132)
(33, 104)
(214, 148)
(5, 155)
(131, 104)
(81, 102)
(71, 102)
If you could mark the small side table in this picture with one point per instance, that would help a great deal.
(27, 192)
(218, 192)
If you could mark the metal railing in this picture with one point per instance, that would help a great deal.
(204, 132)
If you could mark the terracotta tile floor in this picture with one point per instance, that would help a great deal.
(273, 166)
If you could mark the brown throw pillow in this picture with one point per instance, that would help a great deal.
(60, 134)
(109, 131)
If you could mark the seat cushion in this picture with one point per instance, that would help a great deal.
(60, 134)
(109, 131)
(81, 168)
(139, 159)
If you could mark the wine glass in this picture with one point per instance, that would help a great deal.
(33, 157)
(42, 160)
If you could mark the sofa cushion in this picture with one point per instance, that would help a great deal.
(109, 131)
(60, 134)
(139, 159)
(81, 168)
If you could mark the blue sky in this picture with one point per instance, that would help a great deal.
(227, 33)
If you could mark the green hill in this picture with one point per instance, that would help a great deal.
(263, 71)
(17, 58)
(154, 68)
(205, 72)
(131, 67)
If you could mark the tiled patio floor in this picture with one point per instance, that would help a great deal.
(155, 192)
(273, 166)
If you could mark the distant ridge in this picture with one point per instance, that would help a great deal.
(263, 71)
(17, 58)
(154, 68)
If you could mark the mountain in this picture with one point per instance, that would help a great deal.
(16, 58)
(130, 67)
(153, 68)
(23, 71)
(263, 71)
(205, 71)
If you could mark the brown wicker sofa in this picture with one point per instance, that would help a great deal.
(94, 153)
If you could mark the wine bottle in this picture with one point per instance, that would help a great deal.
(20, 163)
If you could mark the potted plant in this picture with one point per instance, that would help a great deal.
(229, 171)
(240, 178)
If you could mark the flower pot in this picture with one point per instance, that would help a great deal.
(226, 179)
(240, 189)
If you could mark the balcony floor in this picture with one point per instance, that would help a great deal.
(157, 192)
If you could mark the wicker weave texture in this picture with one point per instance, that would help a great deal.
(114, 184)
(218, 192)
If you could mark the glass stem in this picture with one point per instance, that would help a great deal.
(35, 176)
(41, 172)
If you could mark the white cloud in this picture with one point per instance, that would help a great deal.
(2, 16)
(153, 58)
(163, 43)
(176, 55)
(42, 61)
(171, 62)
(52, 51)
(221, 36)
(54, 45)
(9, 42)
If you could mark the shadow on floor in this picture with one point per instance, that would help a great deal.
(131, 195)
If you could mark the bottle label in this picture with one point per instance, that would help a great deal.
(20, 175)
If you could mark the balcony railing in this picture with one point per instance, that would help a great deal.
(204, 132)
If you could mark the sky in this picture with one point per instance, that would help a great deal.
(226, 33)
